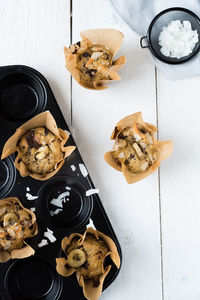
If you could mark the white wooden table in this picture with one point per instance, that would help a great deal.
(158, 219)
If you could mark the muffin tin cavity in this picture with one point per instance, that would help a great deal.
(60, 203)
(32, 278)
(67, 205)
(22, 96)
(7, 176)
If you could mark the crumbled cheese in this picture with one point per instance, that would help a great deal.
(149, 138)
(73, 168)
(30, 197)
(68, 132)
(55, 212)
(68, 188)
(137, 137)
(59, 201)
(32, 209)
(83, 170)
(49, 234)
(144, 166)
(28, 189)
(121, 155)
(91, 192)
(43, 243)
(91, 224)
(178, 39)
(138, 150)
(96, 55)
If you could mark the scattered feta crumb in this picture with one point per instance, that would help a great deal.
(91, 224)
(68, 132)
(49, 230)
(96, 55)
(91, 192)
(68, 188)
(49, 234)
(55, 212)
(177, 39)
(73, 168)
(43, 243)
(59, 201)
(28, 189)
(32, 209)
(83, 170)
(30, 197)
(121, 154)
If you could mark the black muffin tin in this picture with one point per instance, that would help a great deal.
(24, 93)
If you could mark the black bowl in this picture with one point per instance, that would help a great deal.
(163, 19)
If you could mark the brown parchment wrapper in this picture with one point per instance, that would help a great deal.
(44, 119)
(165, 148)
(26, 250)
(89, 291)
(110, 38)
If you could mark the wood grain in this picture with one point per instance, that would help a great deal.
(33, 33)
(133, 209)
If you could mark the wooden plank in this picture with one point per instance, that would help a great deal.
(33, 33)
(179, 121)
(133, 209)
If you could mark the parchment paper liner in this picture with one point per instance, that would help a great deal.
(110, 38)
(89, 291)
(25, 251)
(44, 119)
(165, 148)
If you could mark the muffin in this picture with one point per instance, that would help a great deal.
(40, 150)
(16, 224)
(86, 256)
(41, 147)
(136, 152)
(91, 61)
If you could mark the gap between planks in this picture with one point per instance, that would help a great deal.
(159, 193)
(157, 124)
(71, 39)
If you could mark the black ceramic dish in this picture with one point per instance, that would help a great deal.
(24, 92)
(163, 19)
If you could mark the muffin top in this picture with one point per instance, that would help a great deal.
(88, 258)
(15, 225)
(40, 150)
(135, 148)
(93, 64)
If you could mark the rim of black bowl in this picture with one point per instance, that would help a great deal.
(187, 58)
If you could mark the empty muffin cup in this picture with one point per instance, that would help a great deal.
(67, 205)
(22, 95)
(7, 176)
(32, 278)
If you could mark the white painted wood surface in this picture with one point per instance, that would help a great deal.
(157, 221)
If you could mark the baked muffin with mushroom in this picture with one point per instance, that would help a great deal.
(86, 255)
(91, 61)
(40, 145)
(16, 224)
(136, 152)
